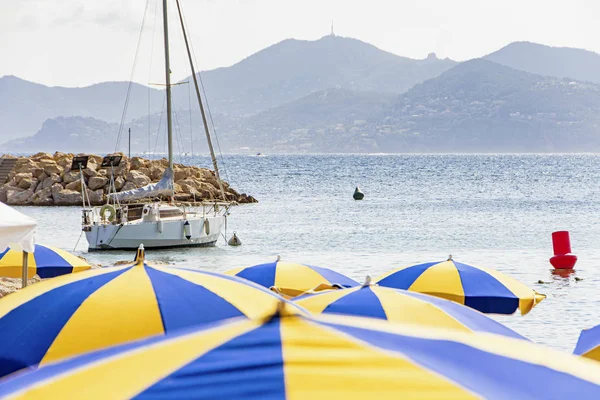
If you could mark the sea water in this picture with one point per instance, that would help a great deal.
(496, 211)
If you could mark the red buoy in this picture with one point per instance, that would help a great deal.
(562, 259)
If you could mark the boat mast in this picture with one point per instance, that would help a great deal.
(168, 83)
(206, 131)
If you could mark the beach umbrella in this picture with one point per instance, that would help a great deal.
(77, 313)
(302, 357)
(16, 227)
(397, 305)
(291, 279)
(46, 261)
(483, 289)
(588, 344)
(19, 229)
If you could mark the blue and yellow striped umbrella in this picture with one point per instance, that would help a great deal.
(46, 261)
(300, 357)
(483, 289)
(588, 344)
(291, 279)
(78, 313)
(396, 305)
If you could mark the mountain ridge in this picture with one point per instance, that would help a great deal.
(561, 62)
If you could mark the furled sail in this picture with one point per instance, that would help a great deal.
(164, 186)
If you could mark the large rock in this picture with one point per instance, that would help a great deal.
(35, 184)
(97, 182)
(70, 176)
(137, 163)
(119, 183)
(26, 182)
(182, 173)
(96, 196)
(18, 198)
(145, 171)
(20, 176)
(65, 160)
(25, 165)
(90, 171)
(51, 167)
(41, 177)
(43, 197)
(75, 185)
(95, 159)
(4, 192)
(66, 197)
(51, 180)
(137, 178)
(37, 172)
(156, 172)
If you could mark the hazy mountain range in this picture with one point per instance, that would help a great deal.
(334, 95)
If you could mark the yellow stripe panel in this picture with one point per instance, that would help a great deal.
(16, 299)
(380, 277)
(234, 271)
(77, 263)
(406, 309)
(133, 372)
(11, 265)
(297, 276)
(252, 302)
(316, 304)
(593, 354)
(320, 363)
(527, 296)
(123, 310)
(443, 275)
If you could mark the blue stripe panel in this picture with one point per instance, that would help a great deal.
(467, 316)
(588, 339)
(487, 375)
(263, 274)
(484, 293)
(334, 277)
(27, 332)
(52, 272)
(49, 264)
(45, 257)
(404, 278)
(362, 302)
(249, 366)
(4, 252)
(183, 303)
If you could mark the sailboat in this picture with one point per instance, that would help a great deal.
(120, 224)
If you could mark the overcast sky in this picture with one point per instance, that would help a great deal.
(81, 42)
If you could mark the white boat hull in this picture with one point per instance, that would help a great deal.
(155, 234)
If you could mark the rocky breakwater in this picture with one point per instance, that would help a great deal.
(45, 179)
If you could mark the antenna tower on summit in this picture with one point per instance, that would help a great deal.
(332, 34)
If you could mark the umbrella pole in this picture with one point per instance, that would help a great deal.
(24, 271)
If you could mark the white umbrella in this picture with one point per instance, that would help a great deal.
(17, 228)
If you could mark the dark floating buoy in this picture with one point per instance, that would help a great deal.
(234, 241)
(358, 195)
